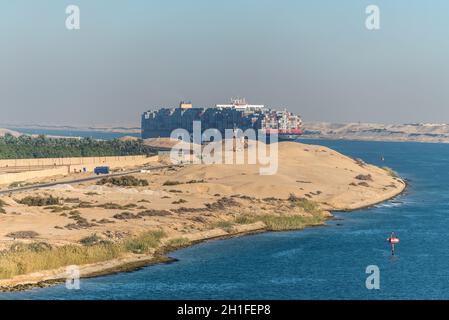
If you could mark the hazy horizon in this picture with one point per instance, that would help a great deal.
(315, 58)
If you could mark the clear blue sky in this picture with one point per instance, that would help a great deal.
(314, 57)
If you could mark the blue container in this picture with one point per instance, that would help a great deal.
(101, 170)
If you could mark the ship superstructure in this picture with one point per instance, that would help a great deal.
(236, 115)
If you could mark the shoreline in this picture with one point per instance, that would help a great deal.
(133, 263)
(133, 131)
(176, 208)
(403, 190)
(48, 278)
(369, 139)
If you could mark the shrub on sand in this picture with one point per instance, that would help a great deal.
(23, 234)
(37, 201)
(23, 258)
(391, 172)
(278, 223)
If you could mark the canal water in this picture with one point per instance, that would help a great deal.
(326, 262)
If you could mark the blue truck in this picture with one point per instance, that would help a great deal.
(101, 170)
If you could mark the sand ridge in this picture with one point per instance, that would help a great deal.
(198, 202)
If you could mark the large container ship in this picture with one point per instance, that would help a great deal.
(236, 115)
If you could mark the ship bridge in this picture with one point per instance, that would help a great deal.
(238, 103)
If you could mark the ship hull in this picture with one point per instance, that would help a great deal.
(288, 137)
(162, 122)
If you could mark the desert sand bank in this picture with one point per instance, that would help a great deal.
(413, 132)
(190, 204)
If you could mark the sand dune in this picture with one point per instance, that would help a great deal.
(317, 172)
(198, 202)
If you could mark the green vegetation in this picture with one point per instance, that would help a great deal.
(124, 181)
(23, 234)
(174, 183)
(23, 258)
(37, 201)
(171, 183)
(179, 201)
(391, 172)
(305, 204)
(90, 240)
(2, 204)
(84, 204)
(90, 193)
(146, 213)
(289, 222)
(43, 147)
(227, 226)
(365, 177)
(195, 181)
(247, 219)
(125, 216)
(72, 200)
(144, 243)
(271, 199)
(17, 184)
(110, 206)
(360, 162)
(178, 242)
(28, 258)
(279, 223)
(116, 206)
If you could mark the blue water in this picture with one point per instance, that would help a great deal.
(76, 133)
(318, 263)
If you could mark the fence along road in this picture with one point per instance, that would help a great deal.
(75, 181)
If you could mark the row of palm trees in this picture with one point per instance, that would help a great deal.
(24, 146)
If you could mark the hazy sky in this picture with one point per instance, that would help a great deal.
(314, 57)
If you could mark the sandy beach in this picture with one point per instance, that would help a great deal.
(186, 205)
